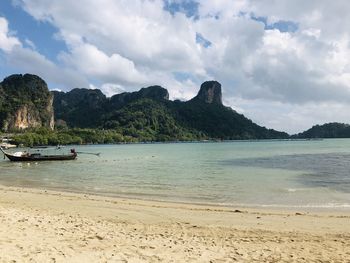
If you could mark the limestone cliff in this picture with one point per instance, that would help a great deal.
(149, 115)
(88, 108)
(25, 103)
(210, 92)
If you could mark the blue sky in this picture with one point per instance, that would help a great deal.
(33, 34)
(282, 26)
(27, 28)
(284, 64)
(42, 35)
(190, 8)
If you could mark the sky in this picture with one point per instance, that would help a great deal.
(284, 64)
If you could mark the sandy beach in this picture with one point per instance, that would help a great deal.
(48, 226)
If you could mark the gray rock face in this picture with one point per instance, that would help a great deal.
(210, 92)
(154, 92)
(25, 103)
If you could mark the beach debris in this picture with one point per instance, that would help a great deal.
(99, 237)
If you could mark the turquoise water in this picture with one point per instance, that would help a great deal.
(260, 173)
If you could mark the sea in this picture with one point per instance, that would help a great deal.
(266, 173)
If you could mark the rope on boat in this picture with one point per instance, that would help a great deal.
(97, 154)
(3, 152)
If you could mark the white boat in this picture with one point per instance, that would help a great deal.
(6, 145)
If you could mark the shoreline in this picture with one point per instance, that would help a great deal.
(213, 140)
(344, 208)
(60, 226)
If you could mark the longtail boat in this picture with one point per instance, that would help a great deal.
(34, 157)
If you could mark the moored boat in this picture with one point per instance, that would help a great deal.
(6, 145)
(31, 157)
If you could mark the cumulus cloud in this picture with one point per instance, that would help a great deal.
(110, 89)
(140, 31)
(89, 60)
(291, 117)
(7, 42)
(29, 60)
(125, 43)
(293, 69)
(296, 67)
(254, 52)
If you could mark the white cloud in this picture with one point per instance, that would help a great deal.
(293, 69)
(128, 44)
(222, 8)
(7, 42)
(111, 89)
(30, 43)
(137, 30)
(290, 117)
(89, 60)
(29, 60)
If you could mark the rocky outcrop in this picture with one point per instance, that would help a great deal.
(147, 114)
(150, 114)
(23, 118)
(210, 92)
(91, 98)
(327, 130)
(88, 107)
(154, 92)
(26, 103)
(157, 93)
(79, 107)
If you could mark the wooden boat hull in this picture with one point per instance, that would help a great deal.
(41, 158)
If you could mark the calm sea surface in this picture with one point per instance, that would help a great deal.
(313, 174)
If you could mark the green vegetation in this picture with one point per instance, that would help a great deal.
(328, 130)
(219, 122)
(44, 136)
(148, 115)
(81, 108)
(149, 120)
(77, 136)
(85, 116)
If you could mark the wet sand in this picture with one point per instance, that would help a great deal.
(48, 226)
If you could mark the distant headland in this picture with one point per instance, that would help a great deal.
(37, 116)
